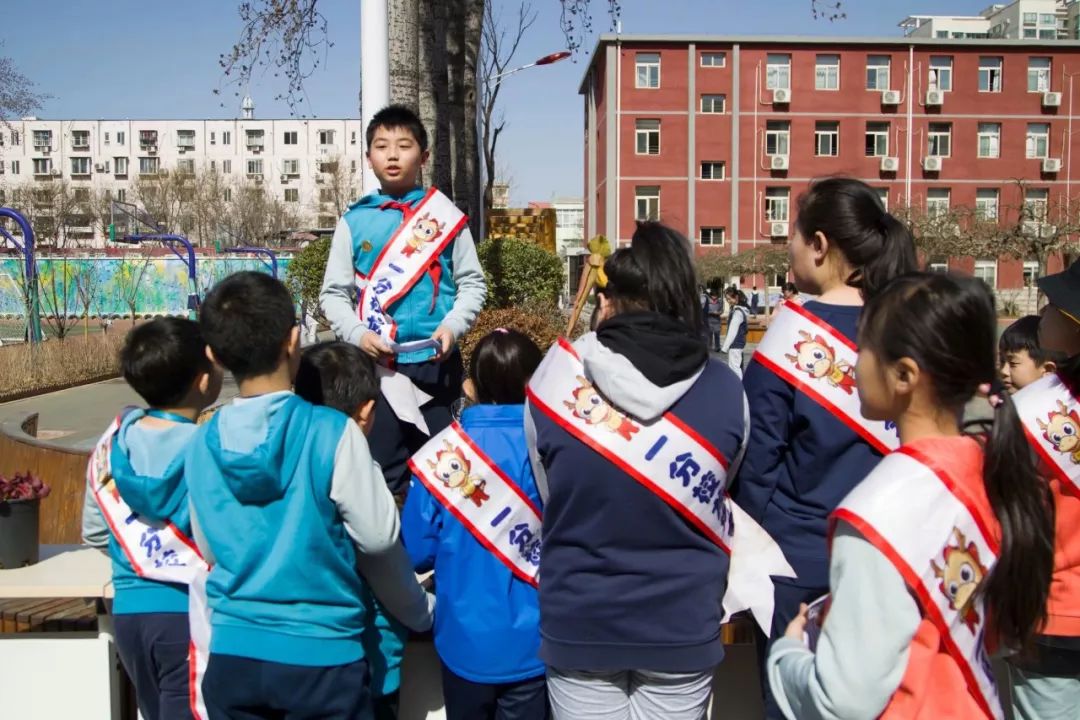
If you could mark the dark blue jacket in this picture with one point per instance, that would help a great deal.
(486, 619)
(801, 461)
(625, 582)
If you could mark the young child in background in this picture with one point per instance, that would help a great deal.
(287, 503)
(473, 515)
(403, 268)
(947, 543)
(738, 324)
(1021, 360)
(137, 504)
(342, 376)
(808, 444)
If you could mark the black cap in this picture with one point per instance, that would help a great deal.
(1063, 289)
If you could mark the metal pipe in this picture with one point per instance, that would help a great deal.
(33, 320)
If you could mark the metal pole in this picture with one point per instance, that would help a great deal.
(375, 69)
(1068, 149)
(33, 319)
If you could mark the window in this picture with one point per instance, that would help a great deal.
(877, 139)
(226, 167)
(1048, 34)
(121, 137)
(14, 167)
(81, 194)
(1048, 19)
(883, 196)
(290, 167)
(292, 195)
(827, 139)
(940, 140)
(827, 72)
(213, 138)
(777, 137)
(185, 139)
(121, 194)
(291, 137)
(712, 236)
(213, 166)
(1031, 273)
(352, 166)
(326, 137)
(1031, 19)
(713, 171)
(572, 218)
(42, 166)
(227, 195)
(15, 139)
(80, 166)
(937, 202)
(877, 72)
(80, 139)
(647, 70)
(185, 167)
(43, 139)
(255, 139)
(986, 270)
(776, 204)
(778, 72)
(1035, 204)
(989, 74)
(1039, 74)
(939, 267)
(713, 59)
(940, 72)
(713, 103)
(352, 137)
(647, 203)
(647, 133)
(254, 167)
(106, 138)
(148, 165)
(326, 195)
(989, 140)
(120, 166)
(986, 203)
(1038, 140)
(147, 138)
(226, 137)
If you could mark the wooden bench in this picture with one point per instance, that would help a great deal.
(48, 615)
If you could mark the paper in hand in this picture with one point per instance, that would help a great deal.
(414, 346)
(815, 618)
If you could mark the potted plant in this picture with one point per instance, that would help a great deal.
(20, 498)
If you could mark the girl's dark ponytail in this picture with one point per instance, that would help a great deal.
(849, 213)
(1018, 587)
(948, 325)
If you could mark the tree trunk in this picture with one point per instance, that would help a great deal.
(469, 155)
(404, 28)
(433, 91)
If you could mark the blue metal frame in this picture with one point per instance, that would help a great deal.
(188, 258)
(268, 256)
(33, 321)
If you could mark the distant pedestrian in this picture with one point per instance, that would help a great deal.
(714, 317)
(738, 322)
(755, 301)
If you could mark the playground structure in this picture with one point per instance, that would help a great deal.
(26, 249)
(127, 218)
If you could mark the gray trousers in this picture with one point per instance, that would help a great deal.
(1044, 697)
(628, 695)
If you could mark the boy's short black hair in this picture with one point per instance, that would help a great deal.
(1023, 335)
(246, 319)
(161, 359)
(338, 375)
(398, 116)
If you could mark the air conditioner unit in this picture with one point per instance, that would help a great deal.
(932, 163)
(324, 151)
(778, 229)
(181, 149)
(319, 180)
(935, 97)
(778, 162)
(1039, 228)
(284, 178)
(54, 172)
(151, 150)
(98, 167)
(781, 96)
(890, 97)
(1051, 99)
(1051, 165)
(45, 150)
(890, 164)
(257, 177)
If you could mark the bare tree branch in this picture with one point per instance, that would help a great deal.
(17, 95)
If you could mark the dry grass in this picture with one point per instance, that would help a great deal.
(28, 369)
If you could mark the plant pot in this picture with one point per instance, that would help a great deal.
(18, 533)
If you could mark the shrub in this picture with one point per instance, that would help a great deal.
(305, 274)
(543, 324)
(520, 273)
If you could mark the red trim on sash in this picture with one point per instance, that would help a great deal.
(916, 586)
(820, 323)
(404, 221)
(498, 470)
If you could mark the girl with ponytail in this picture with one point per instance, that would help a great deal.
(949, 541)
(804, 456)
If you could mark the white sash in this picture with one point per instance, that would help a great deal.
(479, 494)
(1051, 417)
(424, 233)
(809, 354)
(919, 518)
(157, 551)
(674, 462)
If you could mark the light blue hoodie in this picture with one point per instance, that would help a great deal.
(147, 465)
(358, 241)
(284, 495)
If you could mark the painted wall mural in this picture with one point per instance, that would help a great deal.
(158, 285)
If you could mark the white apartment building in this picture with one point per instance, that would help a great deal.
(1018, 20)
(285, 155)
(570, 238)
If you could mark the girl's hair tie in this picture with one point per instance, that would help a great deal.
(501, 331)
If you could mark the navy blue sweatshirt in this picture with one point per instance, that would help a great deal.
(801, 461)
(627, 583)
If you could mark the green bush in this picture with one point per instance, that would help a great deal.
(520, 273)
(305, 274)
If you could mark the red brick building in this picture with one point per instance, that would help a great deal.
(718, 136)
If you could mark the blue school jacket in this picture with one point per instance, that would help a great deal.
(487, 621)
